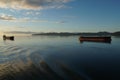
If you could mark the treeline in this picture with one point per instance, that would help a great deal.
(116, 33)
(85, 33)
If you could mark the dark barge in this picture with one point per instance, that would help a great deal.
(95, 39)
(8, 37)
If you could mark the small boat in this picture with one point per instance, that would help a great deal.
(95, 39)
(8, 37)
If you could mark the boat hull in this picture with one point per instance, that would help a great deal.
(95, 39)
(8, 38)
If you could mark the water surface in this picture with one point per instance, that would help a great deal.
(59, 58)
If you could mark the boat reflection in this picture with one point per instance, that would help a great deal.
(107, 42)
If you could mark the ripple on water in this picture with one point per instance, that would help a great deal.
(17, 63)
(20, 70)
(11, 52)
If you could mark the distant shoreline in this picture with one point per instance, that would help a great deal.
(75, 34)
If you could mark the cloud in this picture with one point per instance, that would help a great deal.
(29, 20)
(32, 13)
(11, 18)
(19, 32)
(7, 17)
(33, 4)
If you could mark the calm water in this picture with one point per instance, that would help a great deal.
(59, 58)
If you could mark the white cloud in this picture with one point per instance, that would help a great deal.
(11, 18)
(32, 13)
(28, 13)
(7, 17)
(29, 20)
(32, 4)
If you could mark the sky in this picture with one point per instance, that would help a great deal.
(59, 15)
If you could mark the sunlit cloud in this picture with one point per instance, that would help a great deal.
(11, 18)
(7, 17)
(29, 20)
(33, 4)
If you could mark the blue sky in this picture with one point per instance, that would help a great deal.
(60, 15)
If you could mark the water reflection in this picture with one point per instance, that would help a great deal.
(107, 42)
(73, 75)
(19, 70)
(58, 58)
(27, 71)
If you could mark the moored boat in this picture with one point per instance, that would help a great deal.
(95, 39)
(8, 37)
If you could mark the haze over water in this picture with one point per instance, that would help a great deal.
(59, 58)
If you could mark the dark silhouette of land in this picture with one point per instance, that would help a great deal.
(116, 33)
(79, 33)
(102, 33)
